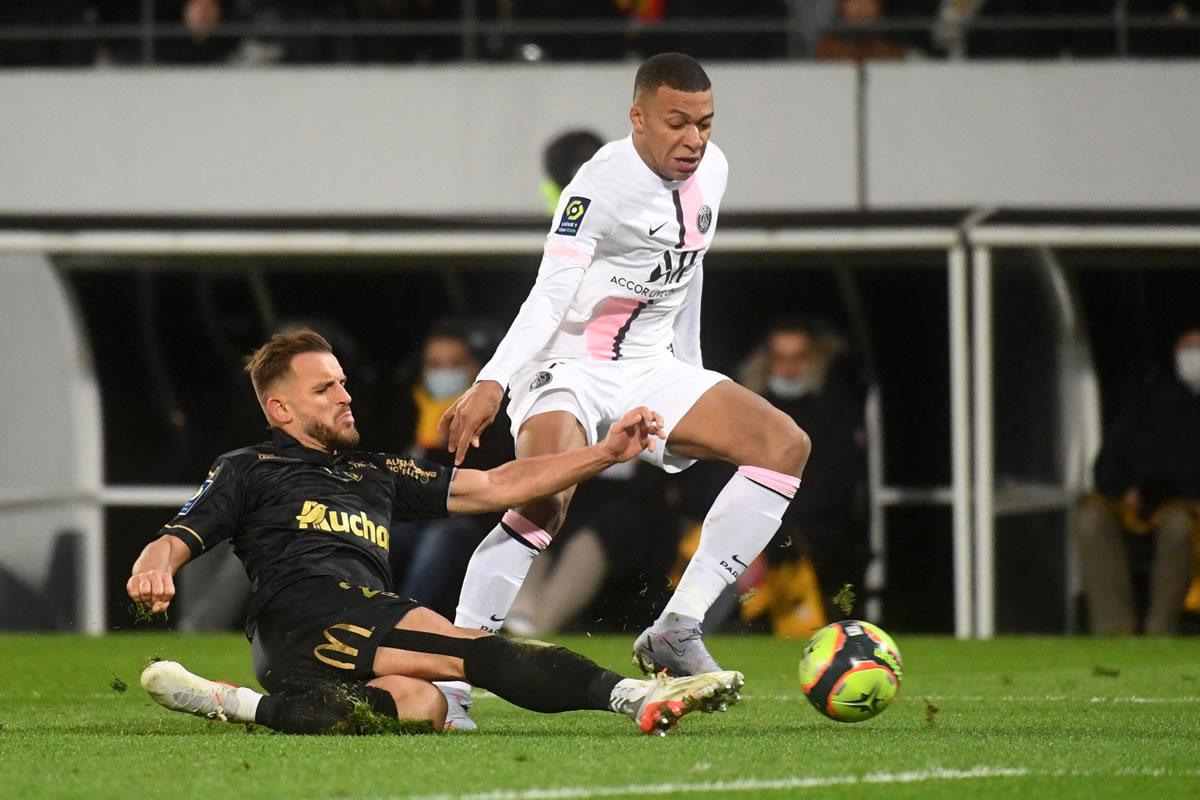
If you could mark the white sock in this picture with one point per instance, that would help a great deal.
(247, 704)
(494, 576)
(496, 571)
(741, 522)
(627, 696)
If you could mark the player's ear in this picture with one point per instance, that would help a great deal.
(278, 411)
(637, 118)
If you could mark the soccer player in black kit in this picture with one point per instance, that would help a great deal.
(309, 517)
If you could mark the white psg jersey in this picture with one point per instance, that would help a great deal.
(631, 245)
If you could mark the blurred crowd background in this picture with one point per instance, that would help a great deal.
(822, 335)
(120, 32)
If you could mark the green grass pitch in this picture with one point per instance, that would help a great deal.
(1014, 717)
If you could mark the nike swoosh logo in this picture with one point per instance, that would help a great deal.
(679, 651)
(656, 230)
(739, 561)
(494, 618)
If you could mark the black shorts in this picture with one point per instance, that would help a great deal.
(320, 630)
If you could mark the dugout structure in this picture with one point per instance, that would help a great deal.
(1020, 389)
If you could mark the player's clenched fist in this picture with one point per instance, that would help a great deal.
(633, 433)
(469, 417)
(153, 589)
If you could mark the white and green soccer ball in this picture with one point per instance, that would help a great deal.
(851, 670)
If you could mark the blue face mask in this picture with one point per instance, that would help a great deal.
(788, 388)
(445, 382)
(1187, 367)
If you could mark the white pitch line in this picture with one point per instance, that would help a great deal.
(1012, 698)
(728, 787)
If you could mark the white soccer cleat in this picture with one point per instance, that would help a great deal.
(668, 699)
(458, 709)
(175, 688)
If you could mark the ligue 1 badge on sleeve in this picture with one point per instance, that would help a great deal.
(572, 216)
(704, 219)
(540, 380)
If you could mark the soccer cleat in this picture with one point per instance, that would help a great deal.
(175, 688)
(679, 650)
(668, 699)
(458, 709)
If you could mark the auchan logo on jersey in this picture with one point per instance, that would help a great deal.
(318, 516)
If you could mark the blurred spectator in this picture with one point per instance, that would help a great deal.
(812, 17)
(562, 158)
(430, 558)
(865, 46)
(203, 44)
(1148, 496)
(804, 370)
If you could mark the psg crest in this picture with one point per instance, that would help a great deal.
(704, 219)
(540, 380)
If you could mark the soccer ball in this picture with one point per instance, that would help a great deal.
(851, 670)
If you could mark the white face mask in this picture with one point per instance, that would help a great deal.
(788, 388)
(1187, 367)
(446, 382)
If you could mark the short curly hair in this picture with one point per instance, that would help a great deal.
(673, 70)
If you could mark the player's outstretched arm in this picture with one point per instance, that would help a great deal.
(152, 583)
(469, 416)
(517, 482)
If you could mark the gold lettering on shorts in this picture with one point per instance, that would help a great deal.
(334, 646)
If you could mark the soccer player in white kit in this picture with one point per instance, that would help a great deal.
(613, 322)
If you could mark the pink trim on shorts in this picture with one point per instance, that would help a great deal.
(572, 254)
(601, 332)
(785, 485)
(527, 530)
(690, 200)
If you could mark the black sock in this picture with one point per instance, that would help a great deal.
(539, 677)
(321, 710)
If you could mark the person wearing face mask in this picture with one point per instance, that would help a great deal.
(1146, 505)
(430, 558)
(448, 367)
(804, 370)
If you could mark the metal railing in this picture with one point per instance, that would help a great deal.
(471, 31)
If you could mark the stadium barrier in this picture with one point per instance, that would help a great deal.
(969, 252)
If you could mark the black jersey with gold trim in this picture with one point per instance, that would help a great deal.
(294, 512)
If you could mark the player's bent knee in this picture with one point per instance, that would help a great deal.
(414, 699)
(786, 449)
(798, 447)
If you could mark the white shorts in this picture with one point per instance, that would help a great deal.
(598, 393)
